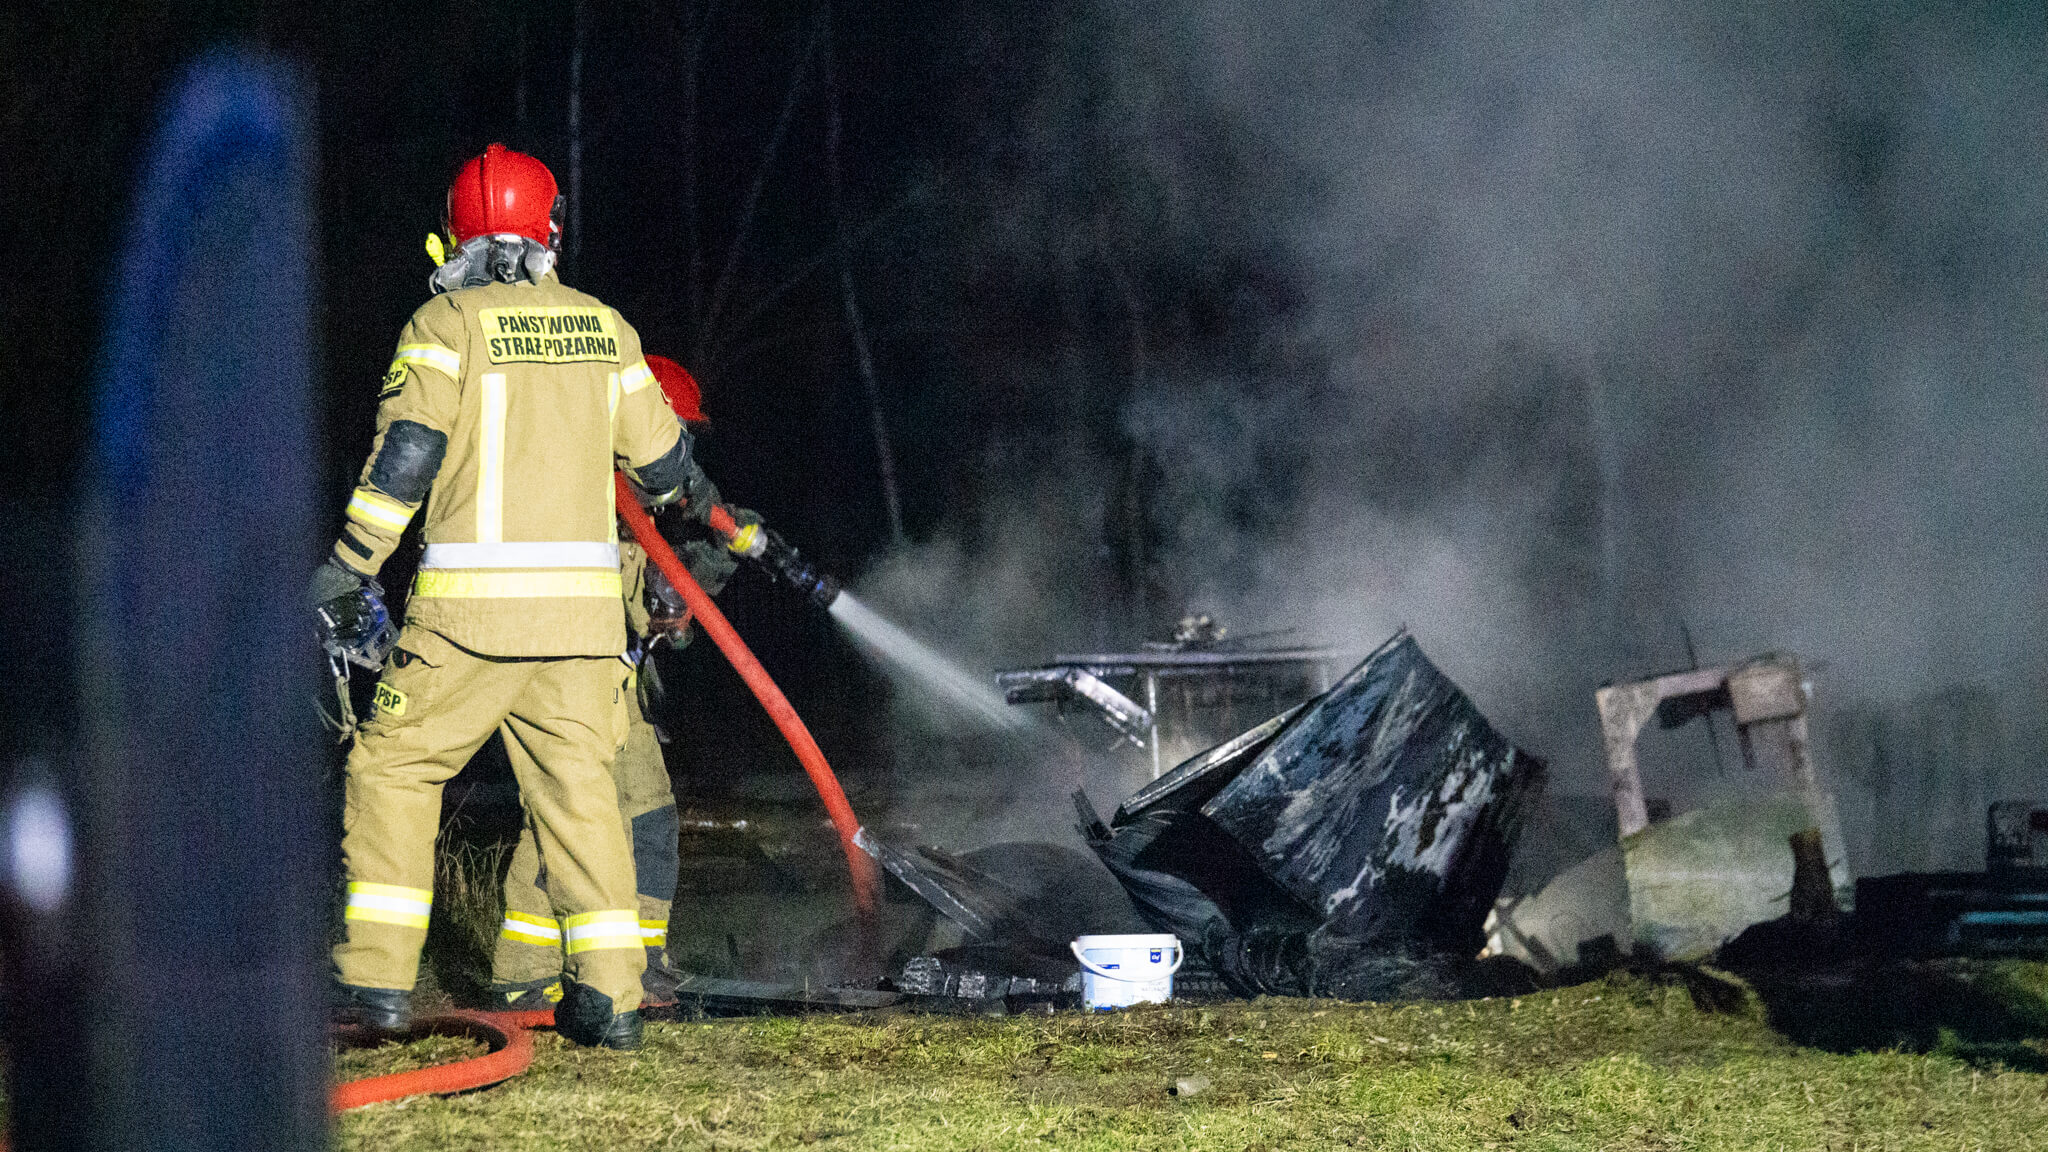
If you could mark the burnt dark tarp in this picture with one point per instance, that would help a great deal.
(1018, 905)
(1354, 852)
(1395, 746)
(1016, 899)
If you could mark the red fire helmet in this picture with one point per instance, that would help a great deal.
(503, 191)
(680, 387)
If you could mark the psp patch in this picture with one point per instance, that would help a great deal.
(550, 335)
(394, 381)
(390, 699)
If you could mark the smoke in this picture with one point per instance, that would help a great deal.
(1567, 324)
(1639, 314)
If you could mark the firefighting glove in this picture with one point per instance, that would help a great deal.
(699, 494)
(350, 616)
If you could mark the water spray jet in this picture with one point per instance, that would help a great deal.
(946, 680)
(963, 690)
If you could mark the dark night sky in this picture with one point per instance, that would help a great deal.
(934, 96)
(407, 91)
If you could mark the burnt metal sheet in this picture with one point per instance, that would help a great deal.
(1168, 662)
(1057, 685)
(1185, 876)
(1200, 776)
(1388, 805)
(956, 897)
(1124, 714)
(1033, 685)
(1390, 793)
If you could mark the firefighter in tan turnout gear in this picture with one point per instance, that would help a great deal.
(508, 404)
(526, 968)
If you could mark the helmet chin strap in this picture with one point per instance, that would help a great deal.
(506, 257)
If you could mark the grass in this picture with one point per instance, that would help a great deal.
(1636, 1062)
(469, 903)
(358, 1063)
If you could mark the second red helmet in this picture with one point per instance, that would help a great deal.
(504, 191)
(680, 387)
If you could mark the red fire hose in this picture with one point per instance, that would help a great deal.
(866, 881)
(507, 1034)
(722, 521)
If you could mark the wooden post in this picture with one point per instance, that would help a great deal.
(1813, 893)
(1624, 709)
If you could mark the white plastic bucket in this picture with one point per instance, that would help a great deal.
(1118, 971)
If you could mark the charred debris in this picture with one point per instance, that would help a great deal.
(1758, 878)
(1350, 845)
(1355, 840)
(1173, 698)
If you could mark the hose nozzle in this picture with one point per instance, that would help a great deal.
(786, 563)
(760, 543)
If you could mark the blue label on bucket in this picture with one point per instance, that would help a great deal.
(1155, 955)
(1111, 965)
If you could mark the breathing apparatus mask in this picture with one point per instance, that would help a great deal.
(501, 257)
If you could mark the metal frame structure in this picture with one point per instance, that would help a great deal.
(1084, 676)
(1769, 698)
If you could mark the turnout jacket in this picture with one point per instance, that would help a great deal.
(503, 414)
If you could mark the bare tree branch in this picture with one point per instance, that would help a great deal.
(575, 221)
(696, 31)
(837, 249)
(885, 456)
(723, 285)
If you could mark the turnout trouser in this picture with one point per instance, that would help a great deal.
(563, 720)
(529, 944)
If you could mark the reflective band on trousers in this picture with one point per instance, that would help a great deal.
(378, 510)
(472, 584)
(524, 554)
(525, 929)
(611, 928)
(448, 360)
(388, 904)
(655, 932)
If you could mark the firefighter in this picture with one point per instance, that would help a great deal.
(526, 969)
(507, 406)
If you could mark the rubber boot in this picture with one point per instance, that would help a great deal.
(378, 1009)
(585, 1017)
(530, 996)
